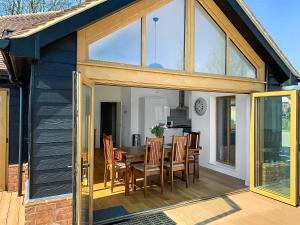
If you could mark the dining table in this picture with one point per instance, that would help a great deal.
(136, 154)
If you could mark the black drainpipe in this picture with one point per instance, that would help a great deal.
(13, 80)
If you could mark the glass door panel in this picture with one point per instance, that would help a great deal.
(273, 145)
(83, 111)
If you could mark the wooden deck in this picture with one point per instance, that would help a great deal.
(12, 211)
(245, 208)
(210, 184)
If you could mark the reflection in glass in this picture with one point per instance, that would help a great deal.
(272, 150)
(165, 36)
(122, 46)
(85, 146)
(226, 130)
(239, 64)
(210, 44)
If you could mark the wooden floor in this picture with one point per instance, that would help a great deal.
(210, 184)
(245, 208)
(12, 211)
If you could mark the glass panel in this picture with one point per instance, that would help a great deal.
(122, 46)
(226, 130)
(239, 64)
(85, 146)
(272, 144)
(210, 44)
(165, 36)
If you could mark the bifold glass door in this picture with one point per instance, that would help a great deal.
(83, 148)
(274, 145)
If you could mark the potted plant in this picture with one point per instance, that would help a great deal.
(158, 130)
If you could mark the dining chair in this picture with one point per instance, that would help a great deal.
(194, 145)
(153, 163)
(111, 162)
(179, 159)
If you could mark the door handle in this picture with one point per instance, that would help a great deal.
(85, 165)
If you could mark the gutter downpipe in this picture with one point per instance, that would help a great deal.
(13, 80)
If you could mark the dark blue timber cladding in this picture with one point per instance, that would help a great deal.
(14, 110)
(51, 119)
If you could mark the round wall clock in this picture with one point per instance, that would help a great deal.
(200, 106)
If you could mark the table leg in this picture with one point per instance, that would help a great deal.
(127, 178)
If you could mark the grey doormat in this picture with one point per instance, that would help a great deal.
(107, 213)
(152, 219)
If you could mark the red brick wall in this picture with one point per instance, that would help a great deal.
(50, 212)
(13, 175)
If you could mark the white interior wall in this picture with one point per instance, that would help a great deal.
(206, 124)
(137, 93)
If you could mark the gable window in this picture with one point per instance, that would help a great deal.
(226, 130)
(122, 46)
(239, 64)
(165, 29)
(210, 44)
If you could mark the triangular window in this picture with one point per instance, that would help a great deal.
(239, 65)
(122, 46)
(210, 44)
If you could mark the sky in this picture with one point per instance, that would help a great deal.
(281, 19)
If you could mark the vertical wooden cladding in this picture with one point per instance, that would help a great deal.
(3, 137)
(51, 119)
(139, 10)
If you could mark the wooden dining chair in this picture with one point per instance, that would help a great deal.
(153, 163)
(179, 159)
(111, 162)
(194, 145)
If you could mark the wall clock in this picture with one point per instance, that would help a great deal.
(200, 106)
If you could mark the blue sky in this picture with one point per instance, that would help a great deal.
(281, 18)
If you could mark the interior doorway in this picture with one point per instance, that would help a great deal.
(110, 121)
(3, 137)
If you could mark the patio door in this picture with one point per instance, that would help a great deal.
(83, 154)
(3, 137)
(274, 150)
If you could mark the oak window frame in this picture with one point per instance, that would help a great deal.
(139, 10)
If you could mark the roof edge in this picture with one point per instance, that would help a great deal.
(268, 38)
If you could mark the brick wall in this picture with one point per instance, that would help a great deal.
(49, 212)
(13, 175)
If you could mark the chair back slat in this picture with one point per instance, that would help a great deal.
(194, 140)
(154, 152)
(108, 148)
(179, 149)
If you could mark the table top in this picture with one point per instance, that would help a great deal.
(137, 152)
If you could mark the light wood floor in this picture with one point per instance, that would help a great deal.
(12, 211)
(211, 183)
(245, 208)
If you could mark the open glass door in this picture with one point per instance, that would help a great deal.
(3, 137)
(83, 155)
(273, 171)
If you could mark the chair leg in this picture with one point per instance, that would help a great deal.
(145, 185)
(194, 173)
(133, 181)
(105, 175)
(172, 179)
(162, 182)
(112, 175)
(187, 177)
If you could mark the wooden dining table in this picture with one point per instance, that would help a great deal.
(136, 154)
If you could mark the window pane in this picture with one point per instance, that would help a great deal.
(165, 36)
(273, 144)
(239, 64)
(226, 130)
(122, 46)
(210, 44)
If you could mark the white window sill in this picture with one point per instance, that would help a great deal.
(223, 166)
